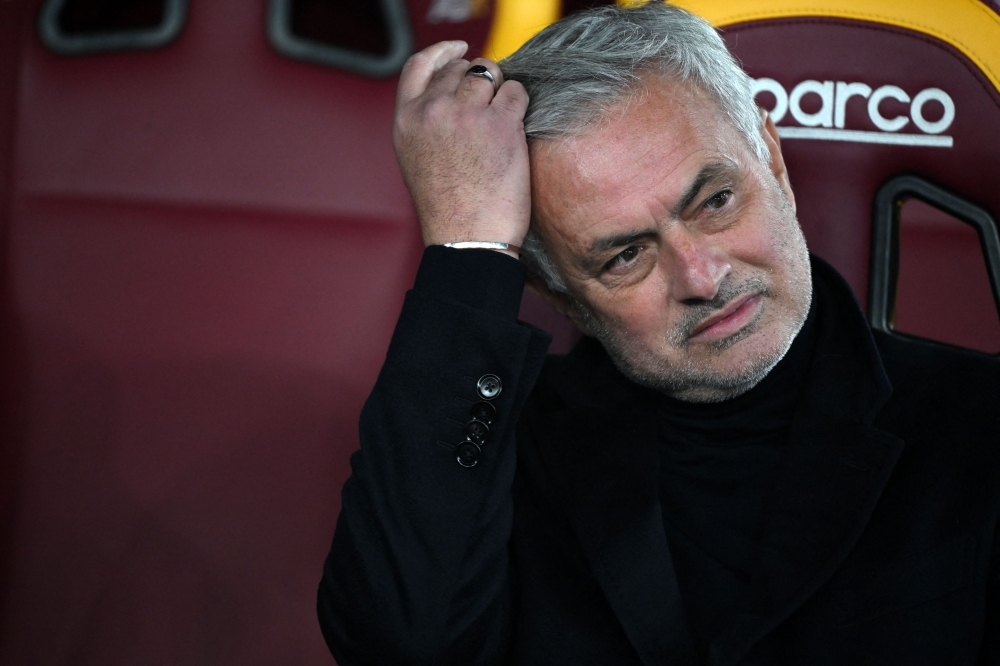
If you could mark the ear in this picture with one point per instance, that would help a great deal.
(559, 302)
(770, 134)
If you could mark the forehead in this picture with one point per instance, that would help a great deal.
(635, 161)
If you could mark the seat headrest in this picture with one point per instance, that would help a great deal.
(863, 90)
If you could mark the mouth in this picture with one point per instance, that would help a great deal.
(729, 320)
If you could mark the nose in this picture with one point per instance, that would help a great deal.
(698, 268)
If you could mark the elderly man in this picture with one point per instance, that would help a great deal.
(729, 468)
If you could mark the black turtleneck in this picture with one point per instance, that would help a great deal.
(717, 466)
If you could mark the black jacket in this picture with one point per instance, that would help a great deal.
(880, 541)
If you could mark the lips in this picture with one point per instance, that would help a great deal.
(729, 319)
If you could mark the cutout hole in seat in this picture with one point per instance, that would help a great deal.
(85, 27)
(82, 17)
(358, 25)
(943, 290)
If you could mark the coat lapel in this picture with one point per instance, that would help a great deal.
(609, 466)
(599, 447)
(827, 487)
(824, 496)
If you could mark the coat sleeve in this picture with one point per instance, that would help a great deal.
(418, 569)
(989, 654)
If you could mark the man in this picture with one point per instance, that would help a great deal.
(730, 467)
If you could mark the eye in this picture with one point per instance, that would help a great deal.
(718, 200)
(623, 258)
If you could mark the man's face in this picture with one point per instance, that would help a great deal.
(680, 250)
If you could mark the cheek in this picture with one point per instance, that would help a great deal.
(780, 251)
(765, 242)
(787, 245)
(638, 312)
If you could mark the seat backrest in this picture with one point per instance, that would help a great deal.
(863, 91)
(866, 90)
(205, 248)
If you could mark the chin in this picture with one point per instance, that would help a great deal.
(726, 369)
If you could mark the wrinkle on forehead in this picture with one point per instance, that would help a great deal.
(629, 165)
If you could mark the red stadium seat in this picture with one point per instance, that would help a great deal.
(863, 91)
(205, 246)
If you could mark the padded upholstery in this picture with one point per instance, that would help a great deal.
(948, 45)
(205, 248)
(932, 45)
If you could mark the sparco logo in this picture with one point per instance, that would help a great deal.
(828, 122)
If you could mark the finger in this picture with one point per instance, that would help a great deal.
(447, 79)
(511, 99)
(422, 66)
(478, 87)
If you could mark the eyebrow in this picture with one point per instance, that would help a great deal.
(620, 240)
(708, 173)
(592, 262)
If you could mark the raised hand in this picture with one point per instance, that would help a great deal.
(461, 147)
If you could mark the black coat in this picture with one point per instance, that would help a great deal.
(880, 541)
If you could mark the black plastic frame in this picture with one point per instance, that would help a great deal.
(279, 33)
(884, 264)
(174, 14)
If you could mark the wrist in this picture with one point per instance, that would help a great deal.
(476, 278)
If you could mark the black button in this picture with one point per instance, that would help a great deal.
(476, 432)
(484, 411)
(489, 386)
(467, 454)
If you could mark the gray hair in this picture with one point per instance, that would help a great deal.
(579, 68)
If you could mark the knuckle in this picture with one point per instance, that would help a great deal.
(517, 90)
(507, 104)
(435, 108)
(416, 60)
(400, 125)
(471, 83)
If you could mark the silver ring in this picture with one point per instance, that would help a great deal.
(482, 72)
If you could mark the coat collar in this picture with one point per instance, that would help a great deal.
(601, 445)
